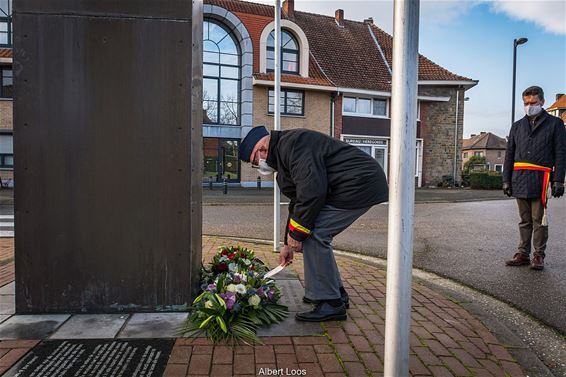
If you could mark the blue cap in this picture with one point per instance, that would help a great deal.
(250, 140)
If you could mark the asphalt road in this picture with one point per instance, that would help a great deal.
(468, 242)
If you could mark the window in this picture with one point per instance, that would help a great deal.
(221, 76)
(292, 102)
(365, 106)
(6, 90)
(5, 23)
(465, 154)
(289, 53)
(6, 151)
(221, 160)
(478, 154)
(499, 154)
(498, 168)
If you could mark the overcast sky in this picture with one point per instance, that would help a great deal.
(474, 38)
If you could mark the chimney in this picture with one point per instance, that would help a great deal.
(559, 95)
(369, 21)
(473, 135)
(482, 133)
(339, 15)
(289, 8)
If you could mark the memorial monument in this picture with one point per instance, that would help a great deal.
(108, 151)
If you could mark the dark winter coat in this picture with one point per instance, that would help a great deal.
(314, 169)
(542, 144)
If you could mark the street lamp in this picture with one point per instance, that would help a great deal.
(516, 42)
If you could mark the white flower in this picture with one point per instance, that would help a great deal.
(254, 300)
(208, 305)
(232, 267)
(247, 262)
(223, 259)
(241, 289)
(231, 288)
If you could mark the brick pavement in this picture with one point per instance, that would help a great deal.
(446, 340)
(6, 261)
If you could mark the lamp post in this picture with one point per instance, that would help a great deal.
(516, 42)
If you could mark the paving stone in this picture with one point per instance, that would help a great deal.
(8, 289)
(305, 354)
(456, 366)
(371, 362)
(175, 370)
(291, 327)
(440, 372)
(329, 362)
(346, 352)
(200, 364)
(355, 369)
(31, 326)
(292, 293)
(153, 325)
(91, 326)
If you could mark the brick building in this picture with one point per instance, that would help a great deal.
(6, 81)
(336, 79)
(558, 108)
(487, 145)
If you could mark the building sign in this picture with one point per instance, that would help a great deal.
(365, 141)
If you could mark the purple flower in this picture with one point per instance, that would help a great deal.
(211, 287)
(271, 294)
(237, 279)
(260, 292)
(229, 298)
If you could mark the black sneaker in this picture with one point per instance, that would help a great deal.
(323, 311)
(344, 297)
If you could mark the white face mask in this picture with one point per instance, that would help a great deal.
(265, 169)
(532, 110)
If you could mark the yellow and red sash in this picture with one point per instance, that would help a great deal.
(545, 182)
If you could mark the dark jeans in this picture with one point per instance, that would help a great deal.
(530, 227)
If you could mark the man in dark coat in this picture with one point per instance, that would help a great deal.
(330, 184)
(535, 165)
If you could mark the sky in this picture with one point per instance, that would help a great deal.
(474, 38)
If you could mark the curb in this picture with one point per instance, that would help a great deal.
(526, 339)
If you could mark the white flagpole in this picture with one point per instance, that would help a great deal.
(277, 122)
(402, 187)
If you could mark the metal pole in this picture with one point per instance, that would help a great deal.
(514, 76)
(456, 138)
(277, 121)
(402, 187)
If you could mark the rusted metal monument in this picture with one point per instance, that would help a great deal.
(108, 143)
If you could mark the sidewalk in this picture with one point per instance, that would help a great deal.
(446, 340)
(253, 196)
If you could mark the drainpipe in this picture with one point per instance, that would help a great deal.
(455, 174)
(332, 125)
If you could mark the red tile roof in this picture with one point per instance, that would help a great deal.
(347, 56)
(559, 104)
(316, 77)
(5, 52)
(485, 140)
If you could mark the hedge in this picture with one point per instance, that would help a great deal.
(486, 181)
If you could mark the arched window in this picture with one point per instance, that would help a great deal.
(221, 75)
(5, 23)
(289, 53)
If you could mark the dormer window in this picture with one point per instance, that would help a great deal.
(289, 53)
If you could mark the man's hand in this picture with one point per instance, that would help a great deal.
(294, 244)
(507, 190)
(286, 256)
(557, 189)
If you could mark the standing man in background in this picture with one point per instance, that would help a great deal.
(534, 169)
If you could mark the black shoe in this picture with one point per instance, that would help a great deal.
(344, 297)
(323, 311)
